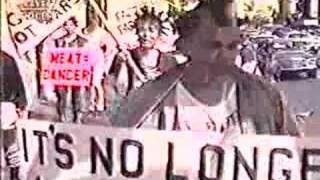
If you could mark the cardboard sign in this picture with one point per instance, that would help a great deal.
(68, 151)
(29, 22)
(68, 67)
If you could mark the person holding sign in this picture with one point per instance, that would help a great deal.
(211, 94)
(73, 101)
(13, 103)
(156, 35)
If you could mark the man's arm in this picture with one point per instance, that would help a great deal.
(13, 89)
(20, 100)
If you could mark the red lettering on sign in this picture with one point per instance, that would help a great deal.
(77, 75)
(69, 67)
(66, 76)
(69, 74)
(86, 58)
(68, 58)
(61, 75)
(78, 57)
(62, 55)
(86, 75)
(54, 58)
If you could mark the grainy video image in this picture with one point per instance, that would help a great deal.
(160, 90)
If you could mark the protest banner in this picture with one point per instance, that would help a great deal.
(62, 151)
(30, 22)
(123, 14)
(68, 66)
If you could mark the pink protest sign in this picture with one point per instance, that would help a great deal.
(68, 67)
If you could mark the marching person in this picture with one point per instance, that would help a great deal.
(73, 102)
(106, 48)
(157, 51)
(13, 104)
(210, 93)
(213, 50)
(48, 94)
(247, 60)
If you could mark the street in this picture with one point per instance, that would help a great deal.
(302, 94)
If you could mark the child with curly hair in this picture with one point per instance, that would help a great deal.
(156, 52)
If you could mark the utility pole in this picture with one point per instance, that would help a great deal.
(230, 12)
(224, 12)
(284, 10)
(314, 8)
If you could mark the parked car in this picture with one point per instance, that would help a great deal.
(270, 28)
(304, 40)
(281, 32)
(294, 62)
(312, 29)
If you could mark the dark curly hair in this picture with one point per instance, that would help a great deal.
(151, 15)
(73, 20)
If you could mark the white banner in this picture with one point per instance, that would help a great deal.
(55, 151)
(30, 22)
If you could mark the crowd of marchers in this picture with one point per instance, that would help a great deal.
(121, 67)
(228, 100)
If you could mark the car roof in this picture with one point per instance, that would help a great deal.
(290, 51)
(281, 31)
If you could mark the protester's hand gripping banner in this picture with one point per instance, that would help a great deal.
(63, 152)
